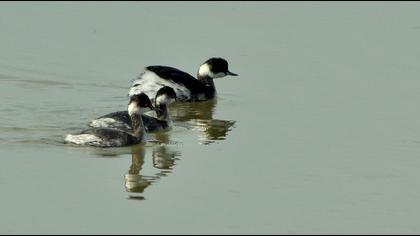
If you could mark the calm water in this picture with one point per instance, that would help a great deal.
(319, 134)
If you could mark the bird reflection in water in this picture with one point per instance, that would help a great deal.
(163, 157)
(199, 116)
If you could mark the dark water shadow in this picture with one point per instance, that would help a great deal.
(163, 157)
(199, 116)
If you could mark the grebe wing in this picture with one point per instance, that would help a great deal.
(177, 76)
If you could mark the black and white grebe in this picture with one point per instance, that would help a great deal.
(107, 137)
(121, 119)
(187, 88)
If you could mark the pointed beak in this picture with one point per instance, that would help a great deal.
(231, 73)
(152, 107)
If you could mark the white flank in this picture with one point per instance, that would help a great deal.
(107, 122)
(92, 140)
(149, 83)
(82, 139)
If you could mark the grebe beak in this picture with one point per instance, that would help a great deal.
(152, 107)
(231, 73)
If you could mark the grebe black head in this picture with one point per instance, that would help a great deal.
(165, 96)
(215, 68)
(138, 103)
(165, 93)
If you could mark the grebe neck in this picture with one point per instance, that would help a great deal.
(138, 126)
(162, 112)
(206, 80)
(205, 76)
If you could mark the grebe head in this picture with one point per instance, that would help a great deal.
(215, 68)
(138, 104)
(164, 96)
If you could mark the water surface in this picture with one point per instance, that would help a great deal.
(319, 134)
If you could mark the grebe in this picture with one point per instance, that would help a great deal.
(187, 87)
(121, 120)
(107, 137)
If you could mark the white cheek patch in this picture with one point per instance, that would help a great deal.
(133, 108)
(164, 99)
(204, 70)
(149, 83)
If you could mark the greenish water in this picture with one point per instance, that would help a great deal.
(319, 134)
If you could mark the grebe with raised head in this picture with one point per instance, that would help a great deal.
(108, 137)
(121, 120)
(187, 87)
